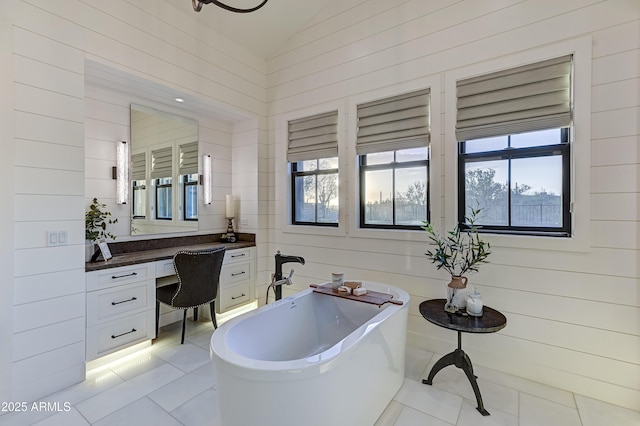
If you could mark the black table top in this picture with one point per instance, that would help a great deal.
(490, 321)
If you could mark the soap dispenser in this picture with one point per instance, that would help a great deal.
(474, 303)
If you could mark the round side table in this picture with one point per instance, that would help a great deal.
(490, 322)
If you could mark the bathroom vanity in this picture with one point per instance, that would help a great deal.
(121, 291)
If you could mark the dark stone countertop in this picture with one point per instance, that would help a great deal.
(143, 251)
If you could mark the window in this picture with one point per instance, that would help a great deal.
(139, 185)
(394, 189)
(313, 161)
(188, 172)
(164, 199)
(392, 146)
(520, 182)
(315, 192)
(190, 196)
(513, 129)
(161, 173)
(139, 199)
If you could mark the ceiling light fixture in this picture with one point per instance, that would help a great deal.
(197, 6)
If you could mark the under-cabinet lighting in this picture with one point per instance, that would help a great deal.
(206, 178)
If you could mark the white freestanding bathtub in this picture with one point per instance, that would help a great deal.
(311, 359)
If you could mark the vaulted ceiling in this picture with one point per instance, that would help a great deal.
(263, 31)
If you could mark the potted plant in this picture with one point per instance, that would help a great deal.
(95, 225)
(458, 252)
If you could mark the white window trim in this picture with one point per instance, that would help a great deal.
(283, 172)
(435, 159)
(580, 144)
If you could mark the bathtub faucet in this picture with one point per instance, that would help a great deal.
(281, 259)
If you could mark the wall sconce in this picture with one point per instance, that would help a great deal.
(121, 172)
(206, 178)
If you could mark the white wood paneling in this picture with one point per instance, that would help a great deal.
(43, 155)
(42, 313)
(8, 207)
(53, 116)
(46, 181)
(615, 151)
(569, 310)
(44, 339)
(33, 288)
(47, 103)
(42, 374)
(38, 74)
(35, 127)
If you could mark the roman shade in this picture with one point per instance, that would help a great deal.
(138, 166)
(313, 137)
(523, 99)
(398, 122)
(161, 163)
(189, 158)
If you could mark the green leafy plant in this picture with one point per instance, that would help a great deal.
(459, 251)
(96, 220)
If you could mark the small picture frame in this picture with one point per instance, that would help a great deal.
(104, 249)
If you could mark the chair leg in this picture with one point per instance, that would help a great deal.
(184, 323)
(157, 316)
(195, 314)
(212, 308)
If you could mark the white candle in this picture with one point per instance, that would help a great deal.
(230, 209)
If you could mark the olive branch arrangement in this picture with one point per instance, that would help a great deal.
(459, 251)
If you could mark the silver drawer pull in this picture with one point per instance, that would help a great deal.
(238, 255)
(239, 273)
(115, 277)
(124, 301)
(114, 336)
(238, 297)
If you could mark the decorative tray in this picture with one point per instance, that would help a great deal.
(373, 297)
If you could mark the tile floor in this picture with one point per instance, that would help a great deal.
(172, 384)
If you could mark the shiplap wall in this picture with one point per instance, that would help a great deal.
(573, 315)
(49, 45)
(7, 209)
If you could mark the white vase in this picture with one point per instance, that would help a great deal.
(457, 292)
(89, 249)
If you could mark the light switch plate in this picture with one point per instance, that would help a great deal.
(57, 238)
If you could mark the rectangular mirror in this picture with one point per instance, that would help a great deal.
(164, 172)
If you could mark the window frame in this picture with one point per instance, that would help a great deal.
(393, 165)
(563, 148)
(136, 189)
(185, 182)
(581, 139)
(157, 186)
(297, 173)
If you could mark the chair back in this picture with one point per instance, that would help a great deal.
(198, 274)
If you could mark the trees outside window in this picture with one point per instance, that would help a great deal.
(394, 191)
(315, 192)
(520, 183)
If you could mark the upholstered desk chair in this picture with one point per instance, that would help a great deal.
(198, 274)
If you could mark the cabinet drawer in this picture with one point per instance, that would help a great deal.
(106, 278)
(111, 336)
(238, 255)
(164, 268)
(236, 295)
(234, 273)
(116, 302)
